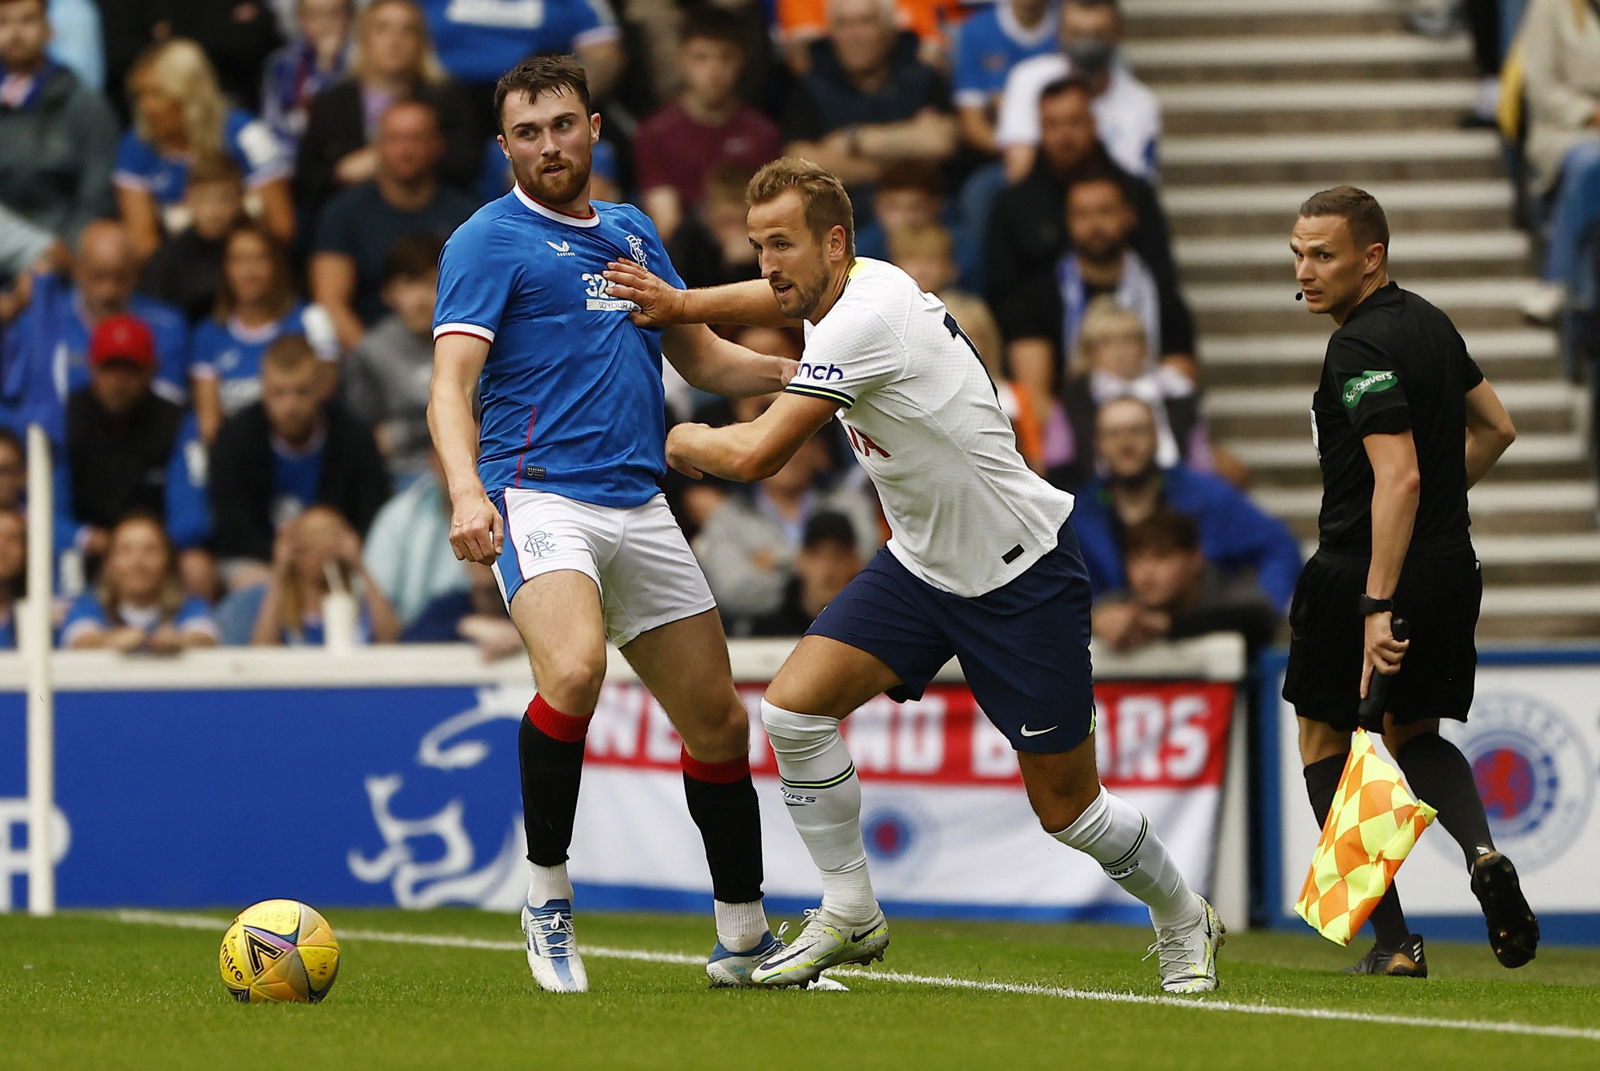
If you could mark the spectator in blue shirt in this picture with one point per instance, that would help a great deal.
(479, 42)
(1235, 534)
(180, 113)
(988, 45)
(13, 570)
(139, 604)
(44, 355)
(256, 306)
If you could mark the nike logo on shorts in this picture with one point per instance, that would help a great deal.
(1038, 732)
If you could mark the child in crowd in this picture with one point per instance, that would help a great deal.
(139, 604)
(315, 554)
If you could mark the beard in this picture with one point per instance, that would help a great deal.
(556, 189)
(1135, 479)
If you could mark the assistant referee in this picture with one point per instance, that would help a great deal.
(1403, 422)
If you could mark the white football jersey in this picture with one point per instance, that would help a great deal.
(966, 513)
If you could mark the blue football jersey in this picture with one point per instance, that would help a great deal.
(571, 394)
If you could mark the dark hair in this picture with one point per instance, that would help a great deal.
(7, 436)
(713, 24)
(1163, 532)
(1070, 84)
(288, 353)
(1099, 172)
(18, 586)
(412, 257)
(1358, 208)
(826, 203)
(541, 74)
(281, 298)
(828, 527)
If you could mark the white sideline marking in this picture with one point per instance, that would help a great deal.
(203, 922)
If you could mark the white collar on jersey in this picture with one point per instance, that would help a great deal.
(592, 220)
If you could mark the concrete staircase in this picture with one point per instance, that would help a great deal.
(1266, 102)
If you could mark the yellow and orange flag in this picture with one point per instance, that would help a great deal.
(1372, 826)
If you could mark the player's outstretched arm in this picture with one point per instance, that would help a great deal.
(722, 367)
(1489, 431)
(660, 303)
(476, 529)
(752, 451)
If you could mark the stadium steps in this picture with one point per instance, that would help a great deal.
(1265, 102)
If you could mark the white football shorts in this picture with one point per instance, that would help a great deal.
(646, 573)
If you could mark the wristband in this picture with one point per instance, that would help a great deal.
(1370, 606)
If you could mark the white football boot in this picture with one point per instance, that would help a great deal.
(825, 941)
(552, 949)
(1188, 956)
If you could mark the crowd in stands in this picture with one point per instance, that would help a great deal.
(220, 222)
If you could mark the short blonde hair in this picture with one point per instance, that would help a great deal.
(827, 205)
(1103, 319)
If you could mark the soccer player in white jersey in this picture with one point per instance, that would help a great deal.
(561, 475)
(982, 565)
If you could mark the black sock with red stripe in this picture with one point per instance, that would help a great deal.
(722, 802)
(550, 754)
(1388, 918)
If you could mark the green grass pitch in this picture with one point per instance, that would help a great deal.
(96, 991)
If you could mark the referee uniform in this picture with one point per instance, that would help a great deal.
(1396, 364)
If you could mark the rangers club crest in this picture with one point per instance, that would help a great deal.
(1533, 772)
(636, 251)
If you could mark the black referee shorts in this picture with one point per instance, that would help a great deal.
(1439, 595)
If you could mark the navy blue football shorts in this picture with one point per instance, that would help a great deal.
(1024, 647)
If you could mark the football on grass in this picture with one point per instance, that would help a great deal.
(279, 951)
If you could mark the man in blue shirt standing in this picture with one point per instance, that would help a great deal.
(558, 491)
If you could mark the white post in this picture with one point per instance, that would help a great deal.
(41, 695)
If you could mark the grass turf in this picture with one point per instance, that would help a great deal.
(91, 991)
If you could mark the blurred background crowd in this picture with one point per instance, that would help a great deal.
(220, 222)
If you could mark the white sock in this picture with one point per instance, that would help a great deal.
(740, 927)
(823, 796)
(1118, 836)
(548, 883)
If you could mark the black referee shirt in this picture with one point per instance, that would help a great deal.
(1397, 363)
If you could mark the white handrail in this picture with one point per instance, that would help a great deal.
(35, 637)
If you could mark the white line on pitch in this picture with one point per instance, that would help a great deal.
(202, 922)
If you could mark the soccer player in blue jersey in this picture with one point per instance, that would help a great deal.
(558, 490)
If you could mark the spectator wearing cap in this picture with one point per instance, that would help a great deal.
(120, 434)
(47, 345)
(285, 453)
(359, 226)
(828, 558)
(180, 114)
(139, 604)
(1173, 593)
(58, 137)
(707, 125)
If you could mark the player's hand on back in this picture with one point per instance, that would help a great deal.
(477, 531)
(660, 303)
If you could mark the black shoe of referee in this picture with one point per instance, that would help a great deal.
(1513, 929)
(1407, 961)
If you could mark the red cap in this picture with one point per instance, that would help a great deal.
(123, 338)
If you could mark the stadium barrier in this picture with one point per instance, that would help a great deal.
(387, 776)
(1533, 739)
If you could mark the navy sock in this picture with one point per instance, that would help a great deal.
(722, 802)
(551, 767)
(1441, 775)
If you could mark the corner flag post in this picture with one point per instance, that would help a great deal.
(35, 636)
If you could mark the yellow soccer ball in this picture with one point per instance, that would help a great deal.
(279, 951)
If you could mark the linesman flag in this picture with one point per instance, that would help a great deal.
(1372, 826)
